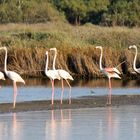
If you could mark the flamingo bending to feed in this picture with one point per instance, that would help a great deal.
(63, 75)
(134, 63)
(52, 75)
(13, 76)
(108, 72)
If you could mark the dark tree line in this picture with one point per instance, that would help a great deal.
(100, 12)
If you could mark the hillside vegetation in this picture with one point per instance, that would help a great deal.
(99, 12)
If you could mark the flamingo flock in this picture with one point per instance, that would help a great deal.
(61, 74)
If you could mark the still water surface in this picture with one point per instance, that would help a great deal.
(40, 89)
(122, 123)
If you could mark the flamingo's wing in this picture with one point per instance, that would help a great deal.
(114, 75)
(112, 70)
(64, 74)
(15, 77)
(53, 74)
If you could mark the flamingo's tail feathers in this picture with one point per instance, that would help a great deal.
(116, 70)
(3, 78)
(23, 81)
(71, 78)
(116, 76)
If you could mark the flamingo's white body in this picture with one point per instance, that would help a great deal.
(134, 63)
(63, 75)
(52, 75)
(108, 72)
(13, 76)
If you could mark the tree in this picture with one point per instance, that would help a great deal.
(95, 10)
(123, 13)
(75, 10)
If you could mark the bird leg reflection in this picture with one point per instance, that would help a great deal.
(69, 91)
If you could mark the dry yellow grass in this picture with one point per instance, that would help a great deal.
(27, 45)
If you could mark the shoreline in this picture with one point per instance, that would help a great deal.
(81, 102)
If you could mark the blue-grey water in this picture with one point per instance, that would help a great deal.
(40, 89)
(116, 123)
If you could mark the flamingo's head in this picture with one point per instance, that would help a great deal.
(53, 49)
(98, 47)
(133, 46)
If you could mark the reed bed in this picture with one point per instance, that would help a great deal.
(27, 45)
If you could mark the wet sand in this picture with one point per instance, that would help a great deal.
(82, 102)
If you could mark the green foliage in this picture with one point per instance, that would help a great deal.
(123, 12)
(75, 10)
(28, 11)
(105, 12)
(100, 12)
(81, 11)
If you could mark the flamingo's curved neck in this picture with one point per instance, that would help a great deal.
(134, 63)
(54, 60)
(100, 62)
(46, 67)
(5, 61)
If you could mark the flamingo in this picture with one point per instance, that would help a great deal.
(13, 76)
(52, 75)
(109, 73)
(134, 63)
(63, 75)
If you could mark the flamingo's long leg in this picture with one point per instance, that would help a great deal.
(69, 91)
(62, 90)
(15, 94)
(52, 81)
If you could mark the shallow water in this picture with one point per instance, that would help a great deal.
(40, 89)
(108, 123)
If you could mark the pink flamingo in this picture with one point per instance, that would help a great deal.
(108, 72)
(52, 75)
(63, 75)
(134, 63)
(13, 76)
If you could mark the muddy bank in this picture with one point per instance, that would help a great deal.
(83, 102)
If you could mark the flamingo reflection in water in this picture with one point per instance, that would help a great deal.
(57, 122)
